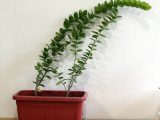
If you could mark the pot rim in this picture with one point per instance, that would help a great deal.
(19, 97)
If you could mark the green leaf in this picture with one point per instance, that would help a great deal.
(59, 53)
(62, 31)
(113, 21)
(58, 34)
(99, 41)
(71, 18)
(85, 12)
(95, 32)
(73, 45)
(79, 26)
(46, 69)
(85, 27)
(92, 39)
(102, 35)
(106, 20)
(55, 60)
(79, 50)
(42, 85)
(104, 23)
(81, 62)
(45, 54)
(90, 57)
(73, 50)
(45, 49)
(60, 77)
(100, 30)
(58, 83)
(112, 15)
(69, 37)
(38, 64)
(54, 71)
(80, 13)
(59, 74)
(90, 46)
(97, 16)
(48, 77)
(70, 69)
(85, 55)
(94, 36)
(49, 61)
(101, 26)
(82, 34)
(106, 29)
(36, 67)
(91, 22)
(79, 42)
(66, 23)
(94, 49)
(34, 82)
(111, 2)
(76, 15)
(41, 56)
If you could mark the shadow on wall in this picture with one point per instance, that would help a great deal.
(101, 84)
(136, 15)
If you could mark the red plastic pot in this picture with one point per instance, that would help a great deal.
(50, 105)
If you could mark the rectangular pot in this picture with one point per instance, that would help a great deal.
(49, 105)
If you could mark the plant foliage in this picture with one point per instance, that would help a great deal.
(70, 37)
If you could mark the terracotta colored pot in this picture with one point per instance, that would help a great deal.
(50, 105)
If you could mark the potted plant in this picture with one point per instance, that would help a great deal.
(67, 105)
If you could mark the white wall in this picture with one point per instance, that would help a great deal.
(123, 79)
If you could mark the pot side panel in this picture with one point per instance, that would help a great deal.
(30, 110)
